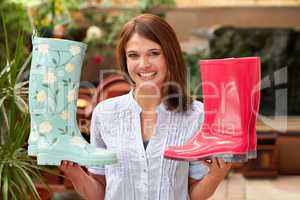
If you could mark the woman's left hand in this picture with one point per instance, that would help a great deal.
(218, 168)
(205, 188)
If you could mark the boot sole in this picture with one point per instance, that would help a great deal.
(32, 150)
(228, 157)
(54, 159)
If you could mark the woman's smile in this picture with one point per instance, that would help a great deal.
(147, 75)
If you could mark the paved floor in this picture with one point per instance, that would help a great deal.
(236, 187)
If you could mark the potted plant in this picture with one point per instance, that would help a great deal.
(18, 171)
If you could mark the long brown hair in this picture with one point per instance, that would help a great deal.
(159, 31)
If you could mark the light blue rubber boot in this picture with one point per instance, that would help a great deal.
(53, 89)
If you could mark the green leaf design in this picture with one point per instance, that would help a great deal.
(38, 65)
(54, 61)
(54, 140)
(45, 85)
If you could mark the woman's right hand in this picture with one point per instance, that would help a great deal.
(87, 186)
(71, 170)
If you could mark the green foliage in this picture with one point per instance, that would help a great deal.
(278, 48)
(192, 63)
(148, 5)
(46, 14)
(70, 4)
(111, 25)
(17, 169)
(73, 4)
(11, 87)
(16, 17)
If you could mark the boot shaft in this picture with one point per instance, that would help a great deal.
(55, 75)
(227, 86)
(54, 83)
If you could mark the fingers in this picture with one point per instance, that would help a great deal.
(65, 165)
(211, 163)
(207, 163)
(68, 163)
(222, 164)
(217, 163)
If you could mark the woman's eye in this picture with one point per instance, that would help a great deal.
(155, 53)
(132, 55)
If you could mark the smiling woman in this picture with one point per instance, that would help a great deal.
(139, 125)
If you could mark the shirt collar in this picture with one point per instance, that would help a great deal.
(134, 104)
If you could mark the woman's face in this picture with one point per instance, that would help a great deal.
(145, 62)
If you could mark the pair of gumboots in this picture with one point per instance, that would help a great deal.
(230, 89)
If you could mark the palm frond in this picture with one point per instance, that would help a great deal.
(18, 171)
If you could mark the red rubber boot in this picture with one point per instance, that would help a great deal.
(255, 100)
(227, 85)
